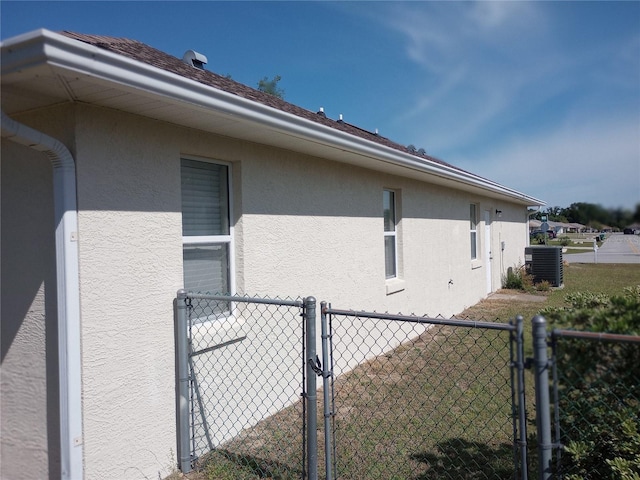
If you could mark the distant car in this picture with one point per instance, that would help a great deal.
(550, 233)
(628, 231)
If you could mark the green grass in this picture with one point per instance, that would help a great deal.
(578, 250)
(609, 279)
(436, 407)
(414, 413)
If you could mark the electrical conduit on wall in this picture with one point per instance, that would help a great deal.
(67, 274)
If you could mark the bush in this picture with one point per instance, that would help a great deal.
(539, 238)
(543, 286)
(517, 279)
(565, 241)
(599, 387)
(512, 279)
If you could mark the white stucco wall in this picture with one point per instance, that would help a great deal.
(130, 248)
(29, 426)
(303, 226)
(328, 241)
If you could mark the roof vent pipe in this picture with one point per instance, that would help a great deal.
(194, 59)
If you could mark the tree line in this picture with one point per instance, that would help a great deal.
(591, 215)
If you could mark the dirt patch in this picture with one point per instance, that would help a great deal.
(517, 296)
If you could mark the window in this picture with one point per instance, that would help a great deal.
(473, 221)
(206, 231)
(390, 234)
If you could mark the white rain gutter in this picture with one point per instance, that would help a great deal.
(69, 349)
(84, 59)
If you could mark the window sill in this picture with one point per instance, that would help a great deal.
(476, 264)
(207, 331)
(394, 285)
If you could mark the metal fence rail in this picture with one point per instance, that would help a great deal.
(596, 404)
(400, 397)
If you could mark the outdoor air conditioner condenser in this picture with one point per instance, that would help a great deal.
(545, 263)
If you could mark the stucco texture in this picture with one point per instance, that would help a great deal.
(302, 226)
(315, 227)
(130, 251)
(28, 381)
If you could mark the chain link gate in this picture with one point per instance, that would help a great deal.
(397, 410)
(247, 359)
(240, 360)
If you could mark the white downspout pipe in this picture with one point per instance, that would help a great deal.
(69, 348)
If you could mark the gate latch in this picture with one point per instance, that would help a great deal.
(316, 366)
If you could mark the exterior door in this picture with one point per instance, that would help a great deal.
(487, 249)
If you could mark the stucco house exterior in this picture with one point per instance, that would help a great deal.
(110, 151)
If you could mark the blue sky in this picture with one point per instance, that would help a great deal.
(543, 97)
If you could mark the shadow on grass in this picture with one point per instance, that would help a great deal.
(461, 459)
(223, 464)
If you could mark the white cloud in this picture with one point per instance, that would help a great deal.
(476, 59)
(556, 104)
(490, 15)
(597, 162)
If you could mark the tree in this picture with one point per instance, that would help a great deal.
(636, 215)
(271, 86)
(590, 214)
(554, 214)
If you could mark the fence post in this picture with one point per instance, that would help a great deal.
(522, 410)
(326, 374)
(182, 387)
(312, 396)
(543, 408)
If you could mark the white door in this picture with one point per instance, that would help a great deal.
(487, 249)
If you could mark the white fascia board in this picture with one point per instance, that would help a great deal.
(85, 59)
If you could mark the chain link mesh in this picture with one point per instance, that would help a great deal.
(409, 397)
(246, 364)
(421, 401)
(597, 408)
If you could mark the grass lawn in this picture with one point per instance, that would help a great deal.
(436, 407)
(578, 277)
(578, 250)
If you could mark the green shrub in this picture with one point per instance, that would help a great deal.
(512, 279)
(517, 278)
(543, 286)
(599, 387)
(564, 241)
(539, 238)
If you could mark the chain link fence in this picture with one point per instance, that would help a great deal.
(596, 405)
(245, 364)
(398, 397)
(421, 398)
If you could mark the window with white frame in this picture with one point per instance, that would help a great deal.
(390, 234)
(206, 231)
(473, 226)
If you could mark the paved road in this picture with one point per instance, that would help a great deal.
(617, 248)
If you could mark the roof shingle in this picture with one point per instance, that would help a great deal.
(144, 53)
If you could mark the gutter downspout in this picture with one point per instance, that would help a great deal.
(67, 272)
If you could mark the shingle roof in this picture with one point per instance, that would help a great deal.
(144, 53)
